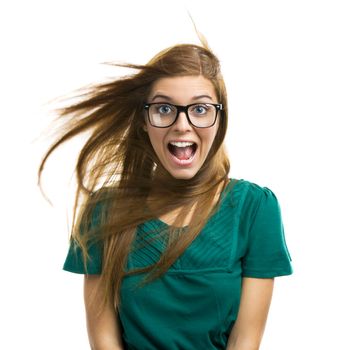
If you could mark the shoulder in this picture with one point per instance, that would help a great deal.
(247, 191)
(96, 205)
(247, 198)
(258, 192)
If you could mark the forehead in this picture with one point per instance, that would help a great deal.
(184, 87)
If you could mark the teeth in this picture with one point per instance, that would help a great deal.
(181, 144)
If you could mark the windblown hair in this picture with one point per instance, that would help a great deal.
(118, 171)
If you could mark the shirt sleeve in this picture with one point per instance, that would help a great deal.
(267, 255)
(74, 260)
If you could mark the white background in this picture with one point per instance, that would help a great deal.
(286, 65)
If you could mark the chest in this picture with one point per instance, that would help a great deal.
(217, 247)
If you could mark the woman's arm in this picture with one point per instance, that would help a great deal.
(103, 331)
(248, 329)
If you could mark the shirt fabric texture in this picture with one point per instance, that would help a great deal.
(195, 304)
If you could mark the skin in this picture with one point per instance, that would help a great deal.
(105, 331)
(182, 91)
(248, 329)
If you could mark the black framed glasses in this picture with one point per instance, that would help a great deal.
(200, 115)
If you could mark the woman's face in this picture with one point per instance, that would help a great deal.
(182, 160)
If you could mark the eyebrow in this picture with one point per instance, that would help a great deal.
(170, 99)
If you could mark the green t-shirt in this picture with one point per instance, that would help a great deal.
(195, 304)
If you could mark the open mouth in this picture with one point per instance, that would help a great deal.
(182, 150)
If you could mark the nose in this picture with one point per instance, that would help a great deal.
(182, 124)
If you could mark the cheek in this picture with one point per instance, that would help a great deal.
(209, 137)
(156, 137)
(215, 132)
(209, 141)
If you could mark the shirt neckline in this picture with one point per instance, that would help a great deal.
(161, 222)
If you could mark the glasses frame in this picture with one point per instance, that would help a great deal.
(218, 107)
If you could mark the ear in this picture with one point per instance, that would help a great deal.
(144, 127)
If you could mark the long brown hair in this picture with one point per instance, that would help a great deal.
(118, 171)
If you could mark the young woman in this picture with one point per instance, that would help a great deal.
(176, 255)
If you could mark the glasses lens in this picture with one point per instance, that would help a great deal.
(162, 114)
(202, 115)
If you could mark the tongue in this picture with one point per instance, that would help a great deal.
(182, 152)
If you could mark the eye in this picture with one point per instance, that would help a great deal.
(199, 109)
(164, 109)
